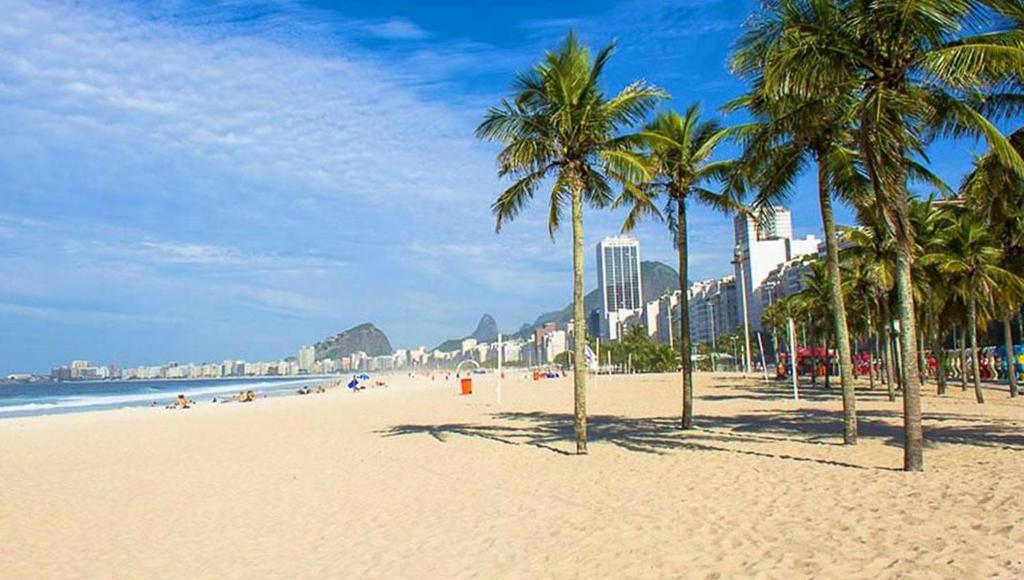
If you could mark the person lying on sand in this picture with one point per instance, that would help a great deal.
(321, 389)
(250, 396)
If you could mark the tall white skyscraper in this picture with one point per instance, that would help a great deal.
(761, 248)
(619, 281)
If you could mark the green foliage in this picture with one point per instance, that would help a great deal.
(647, 356)
(561, 129)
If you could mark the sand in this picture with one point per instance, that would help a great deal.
(415, 481)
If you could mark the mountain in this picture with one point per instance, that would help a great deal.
(365, 337)
(657, 279)
(486, 331)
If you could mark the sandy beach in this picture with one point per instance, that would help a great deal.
(415, 481)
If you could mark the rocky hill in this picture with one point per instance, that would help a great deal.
(365, 337)
(486, 331)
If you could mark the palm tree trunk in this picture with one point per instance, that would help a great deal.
(1010, 362)
(873, 344)
(940, 360)
(922, 364)
(972, 322)
(579, 376)
(890, 371)
(913, 434)
(684, 316)
(828, 367)
(842, 330)
(963, 358)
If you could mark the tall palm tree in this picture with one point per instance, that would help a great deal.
(679, 151)
(919, 74)
(869, 247)
(999, 192)
(969, 257)
(560, 127)
(791, 131)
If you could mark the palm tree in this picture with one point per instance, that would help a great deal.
(870, 248)
(560, 126)
(814, 301)
(969, 257)
(859, 287)
(791, 131)
(679, 151)
(919, 74)
(999, 192)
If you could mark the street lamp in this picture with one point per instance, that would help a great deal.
(739, 260)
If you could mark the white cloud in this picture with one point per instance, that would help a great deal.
(397, 29)
(333, 121)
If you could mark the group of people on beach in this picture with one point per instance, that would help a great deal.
(354, 385)
(182, 402)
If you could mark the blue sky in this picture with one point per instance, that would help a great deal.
(224, 179)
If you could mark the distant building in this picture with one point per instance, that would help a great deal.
(714, 309)
(762, 248)
(666, 322)
(785, 280)
(554, 344)
(619, 282)
(307, 356)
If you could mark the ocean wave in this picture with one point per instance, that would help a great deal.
(159, 397)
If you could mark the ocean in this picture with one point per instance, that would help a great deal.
(29, 399)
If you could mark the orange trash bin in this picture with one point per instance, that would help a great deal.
(467, 386)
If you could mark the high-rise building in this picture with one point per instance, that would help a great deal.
(307, 356)
(619, 282)
(713, 308)
(760, 248)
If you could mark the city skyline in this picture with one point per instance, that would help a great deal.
(224, 203)
(772, 259)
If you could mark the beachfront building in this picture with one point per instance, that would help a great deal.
(785, 280)
(658, 317)
(512, 350)
(762, 247)
(553, 344)
(714, 309)
(468, 345)
(418, 356)
(619, 282)
(666, 319)
(307, 356)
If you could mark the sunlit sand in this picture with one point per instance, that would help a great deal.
(417, 481)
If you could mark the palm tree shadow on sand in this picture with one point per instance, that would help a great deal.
(746, 434)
